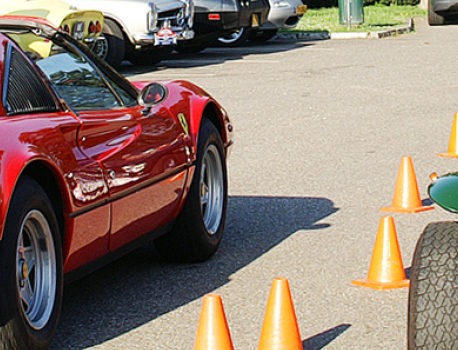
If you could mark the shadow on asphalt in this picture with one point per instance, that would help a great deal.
(139, 288)
(215, 55)
(321, 340)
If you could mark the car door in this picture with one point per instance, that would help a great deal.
(141, 152)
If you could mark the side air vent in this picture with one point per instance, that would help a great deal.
(23, 90)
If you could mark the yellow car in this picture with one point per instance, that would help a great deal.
(83, 25)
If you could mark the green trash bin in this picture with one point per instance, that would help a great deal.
(351, 12)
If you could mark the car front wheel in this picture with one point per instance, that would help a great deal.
(433, 294)
(199, 228)
(30, 270)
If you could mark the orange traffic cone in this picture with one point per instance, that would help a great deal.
(453, 143)
(280, 330)
(406, 197)
(386, 270)
(213, 331)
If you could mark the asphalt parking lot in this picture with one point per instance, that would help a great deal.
(320, 128)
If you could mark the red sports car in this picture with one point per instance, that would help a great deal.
(91, 166)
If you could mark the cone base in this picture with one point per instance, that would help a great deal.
(381, 285)
(448, 155)
(408, 210)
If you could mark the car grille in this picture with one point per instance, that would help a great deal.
(174, 17)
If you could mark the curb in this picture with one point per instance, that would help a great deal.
(312, 36)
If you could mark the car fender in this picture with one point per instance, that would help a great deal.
(443, 191)
(12, 166)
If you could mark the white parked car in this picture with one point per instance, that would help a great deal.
(141, 31)
(282, 14)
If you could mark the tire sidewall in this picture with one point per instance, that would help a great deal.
(27, 197)
(208, 136)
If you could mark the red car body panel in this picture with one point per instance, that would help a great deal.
(121, 173)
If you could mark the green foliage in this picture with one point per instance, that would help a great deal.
(313, 4)
(376, 18)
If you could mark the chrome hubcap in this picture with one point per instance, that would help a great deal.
(211, 189)
(36, 270)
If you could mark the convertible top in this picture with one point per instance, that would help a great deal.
(27, 24)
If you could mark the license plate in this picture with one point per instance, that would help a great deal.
(78, 30)
(301, 9)
(254, 20)
(165, 37)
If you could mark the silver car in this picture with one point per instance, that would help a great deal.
(141, 31)
(282, 14)
(442, 11)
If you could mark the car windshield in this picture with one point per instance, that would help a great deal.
(73, 77)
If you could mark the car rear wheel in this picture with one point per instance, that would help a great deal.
(234, 38)
(433, 18)
(433, 294)
(199, 228)
(30, 270)
(116, 47)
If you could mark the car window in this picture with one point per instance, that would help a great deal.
(77, 81)
(24, 91)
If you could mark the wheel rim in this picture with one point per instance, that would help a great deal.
(212, 189)
(231, 37)
(36, 270)
(100, 47)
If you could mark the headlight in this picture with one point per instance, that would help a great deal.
(152, 17)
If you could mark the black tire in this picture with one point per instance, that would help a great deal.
(116, 46)
(433, 294)
(150, 56)
(187, 48)
(433, 18)
(199, 228)
(30, 270)
(234, 38)
(262, 35)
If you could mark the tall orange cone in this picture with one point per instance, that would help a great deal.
(453, 142)
(386, 270)
(280, 330)
(406, 197)
(213, 332)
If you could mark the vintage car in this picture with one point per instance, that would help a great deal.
(91, 167)
(283, 14)
(218, 18)
(83, 25)
(433, 292)
(442, 12)
(142, 31)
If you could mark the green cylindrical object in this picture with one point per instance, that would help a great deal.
(351, 12)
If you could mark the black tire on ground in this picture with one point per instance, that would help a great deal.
(184, 47)
(433, 18)
(116, 50)
(199, 228)
(30, 270)
(433, 294)
(262, 35)
(150, 56)
(235, 38)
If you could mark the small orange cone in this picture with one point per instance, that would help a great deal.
(386, 270)
(213, 332)
(406, 197)
(453, 143)
(280, 330)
